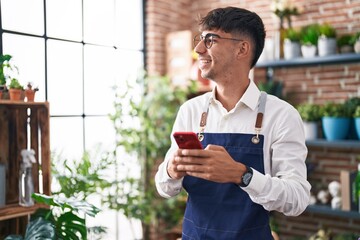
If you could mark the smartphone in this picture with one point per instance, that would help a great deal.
(187, 140)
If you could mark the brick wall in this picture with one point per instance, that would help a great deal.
(316, 84)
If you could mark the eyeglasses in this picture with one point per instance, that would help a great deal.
(209, 39)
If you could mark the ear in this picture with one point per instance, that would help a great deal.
(244, 49)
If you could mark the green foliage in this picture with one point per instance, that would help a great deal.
(310, 34)
(327, 30)
(292, 34)
(5, 64)
(344, 40)
(15, 84)
(357, 112)
(146, 139)
(331, 109)
(309, 112)
(83, 178)
(60, 221)
(38, 228)
(351, 105)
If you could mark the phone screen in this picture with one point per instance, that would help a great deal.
(187, 140)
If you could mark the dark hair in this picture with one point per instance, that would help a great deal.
(239, 21)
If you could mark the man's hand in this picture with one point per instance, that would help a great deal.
(214, 164)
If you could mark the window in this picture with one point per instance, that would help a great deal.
(75, 51)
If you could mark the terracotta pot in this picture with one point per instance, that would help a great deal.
(15, 94)
(1, 94)
(30, 95)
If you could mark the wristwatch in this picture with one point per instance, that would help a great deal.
(246, 177)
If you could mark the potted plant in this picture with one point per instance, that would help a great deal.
(309, 40)
(15, 90)
(310, 114)
(327, 40)
(345, 44)
(30, 92)
(147, 142)
(292, 43)
(335, 120)
(351, 104)
(355, 40)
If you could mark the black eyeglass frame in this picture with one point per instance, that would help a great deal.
(208, 44)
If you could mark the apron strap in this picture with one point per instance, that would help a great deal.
(259, 117)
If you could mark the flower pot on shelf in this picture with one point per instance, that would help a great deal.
(326, 46)
(308, 51)
(291, 49)
(311, 130)
(15, 94)
(335, 128)
(357, 126)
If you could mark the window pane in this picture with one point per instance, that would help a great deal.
(65, 79)
(64, 19)
(99, 22)
(23, 16)
(66, 136)
(128, 65)
(99, 130)
(99, 79)
(129, 24)
(29, 56)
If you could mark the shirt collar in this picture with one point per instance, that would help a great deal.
(250, 97)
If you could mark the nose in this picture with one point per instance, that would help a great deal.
(200, 47)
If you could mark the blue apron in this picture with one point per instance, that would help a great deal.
(222, 211)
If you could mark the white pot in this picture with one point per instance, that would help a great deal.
(311, 130)
(291, 49)
(308, 51)
(326, 46)
(357, 46)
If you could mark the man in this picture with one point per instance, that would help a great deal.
(254, 156)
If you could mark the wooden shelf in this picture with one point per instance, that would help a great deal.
(23, 125)
(299, 62)
(15, 210)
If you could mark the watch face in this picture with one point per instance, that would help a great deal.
(246, 178)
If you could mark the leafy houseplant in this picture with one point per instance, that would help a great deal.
(309, 40)
(15, 89)
(292, 43)
(345, 44)
(147, 139)
(30, 92)
(5, 65)
(310, 114)
(335, 120)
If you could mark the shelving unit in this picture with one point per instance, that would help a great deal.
(22, 126)
(318, 215)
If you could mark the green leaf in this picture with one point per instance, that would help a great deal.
(40, 229)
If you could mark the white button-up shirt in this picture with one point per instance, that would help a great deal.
(284, 186)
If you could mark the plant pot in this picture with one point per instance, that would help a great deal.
(346, 49)
(326, 46)
(335, 128)
(357, 46)
(291, 49)
(311, 130)
(30, 95)
(308, 51)
(15, 94)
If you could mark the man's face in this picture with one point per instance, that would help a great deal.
(217, 53)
